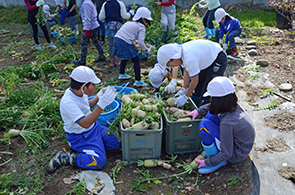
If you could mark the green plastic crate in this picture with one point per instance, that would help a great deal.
(182, 136)
(141, 144)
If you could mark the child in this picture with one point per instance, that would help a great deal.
(70, 6)
(123, 47)
(168, 15)
(212, 5)
(227, 131)
(90, 28)
(33, 8)
(101, 31)
(50, 17)
(112, 12)
(202, 60)
(229, 26)
(84, 134)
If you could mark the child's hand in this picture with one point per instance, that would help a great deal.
(132, 12)
(68, 13)
(148, 50)
(220, 41)
(158, 3)
(202, 163)
(225, 47)
(201, 6)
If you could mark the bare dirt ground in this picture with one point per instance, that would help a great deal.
(280, 69)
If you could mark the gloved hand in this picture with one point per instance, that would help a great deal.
(220, 41)
(201, 6)
(107, 98)
(193, 114)
(170, 88)
(40, 3)
(87, 33)
(68, 13)
(132, 12)
(60, 11)
(100, 93)
(202, 163)
(180, 92)
(149, 49)
(225, 47)
(181, 100)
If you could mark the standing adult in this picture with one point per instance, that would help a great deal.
(33, 8)
(202, 60)
(70, 6)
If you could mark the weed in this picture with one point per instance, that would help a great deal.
(234, 180)
(78, 189)
(264, 40)
(269, 106)
(253, 77)
(265, 92)
(252, 68)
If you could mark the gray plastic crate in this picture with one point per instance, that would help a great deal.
(141, 144)
(182, 136)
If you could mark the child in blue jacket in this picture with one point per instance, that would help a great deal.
(230, 27)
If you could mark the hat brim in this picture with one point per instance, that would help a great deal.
(95, 80)
(206, 94)
(156, 85)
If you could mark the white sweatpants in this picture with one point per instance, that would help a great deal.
(168, 19)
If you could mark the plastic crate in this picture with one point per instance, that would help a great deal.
(182, 136)
(126, 90)
(70, 39)
(143, 55)
(141, 144)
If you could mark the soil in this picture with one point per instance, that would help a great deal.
(279, 54)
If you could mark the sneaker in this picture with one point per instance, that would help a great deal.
(62, 158)
(124, 76)
(39, 47)
(50, 45)
(79, 63)
(100, 59)
(234, 53)
(140, 83)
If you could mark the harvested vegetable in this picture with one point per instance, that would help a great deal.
(137, 112)
(140, 126)
(12, 132)
(126, 123)
(195, 164)
(184, 119)
(41, 17)
(126, 99)
(171, 101)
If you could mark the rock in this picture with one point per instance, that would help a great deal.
(285, 87)
(252, 52)
(239, 40)
(262, 62)
(251, 42)
(250, 47)
(243, 34)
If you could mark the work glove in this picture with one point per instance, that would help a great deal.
(182, 91)
(201, 6)
(149, 49)
(132, 12)
(87, 33)
(170, 88)
(40, 3)
(100, 93)
(68, 13)
(220, 41)
(194, 114)
(60, 11)
(181, 100)
(107, 98)
(225, 47)
(202, 163)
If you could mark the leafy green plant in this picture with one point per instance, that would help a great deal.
(269, 106)
(252, 68)
(234, 180)
(265, 92)
(253, 77)
(78, 189)
(263, 40)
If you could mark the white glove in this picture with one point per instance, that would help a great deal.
(225, 47)
(181, 100)
(132, 12)
(40, 3)
(220, 41)
(180, 92)
(100, 93)
(149, 49)
(107, 98)
(170, 88)
(201, 6)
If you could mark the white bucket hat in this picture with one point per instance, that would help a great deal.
(168, 52)
(219, 87)
(219, 14)
(142, 12)
(46, 9)
(83, 74)
(157, 74)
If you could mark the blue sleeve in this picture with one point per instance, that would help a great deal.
(233, 25)
(221, 31)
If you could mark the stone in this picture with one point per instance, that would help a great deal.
(250, 47)
(239, 40)
(262, 62)
(251, 42)
(252, 52)
(285, 87)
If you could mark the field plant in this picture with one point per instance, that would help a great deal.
(234, 180)
(78, 189)
(252, 68)
(284, 6)
(269, 106)
(253, 77)
(265, 92)
(263, 40)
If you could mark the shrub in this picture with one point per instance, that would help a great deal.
(284, 7)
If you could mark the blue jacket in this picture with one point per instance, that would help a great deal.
(227, 27)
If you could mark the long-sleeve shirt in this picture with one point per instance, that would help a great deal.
(132, 30)
(89, 15)
(113, 10)
(237, 136)
(211, 4)
(227, 27)
(31, 4)
(168, 6)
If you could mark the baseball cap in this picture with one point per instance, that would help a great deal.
(219, 14)
(84, 74)
(219, 87)
(168, 52)
(157, 74)
(142, 12)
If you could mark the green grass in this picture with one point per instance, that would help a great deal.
(18, 15)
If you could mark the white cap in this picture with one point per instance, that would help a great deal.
(157, 74)
(168, 52)
(219, 14)
(219, 87)
(83, 74)
(142, 12)
(46, 9)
